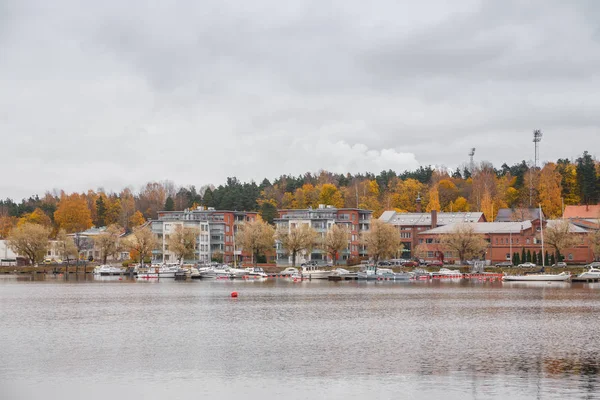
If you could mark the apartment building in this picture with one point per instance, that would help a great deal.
(216, 239)
(322, 219)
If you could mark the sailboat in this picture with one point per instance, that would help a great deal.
(562, 277)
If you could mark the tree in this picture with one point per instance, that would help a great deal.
(169, 204)
(594, 240)
(6, 225)
(268, 211)
(330, 195)
(137, 219)
(586, 179)
(297, 239)
(65, 246)
(100, 210)
(108, 241)
(256, 237)
(516, 259)
(336, 240)
(523, 255)
(73, 214)
(550, 191)
(464, 241)
(182, 242)
(38, 216)
(29, 240)
(528, 255)
(382, 240)
(142, 241)
(534, 259)
(434, 200)
(558, 235)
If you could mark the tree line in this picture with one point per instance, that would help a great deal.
(481, 187)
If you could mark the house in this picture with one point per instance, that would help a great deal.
(519, 214)
(88, 250)
(216, 239)
(410, 225)
(587, 212)
(321, 219)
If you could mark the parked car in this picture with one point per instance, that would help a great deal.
(595, 264)
(562, 264)
(504, 264)
(526, 265)
(435, 263)
(410, 264)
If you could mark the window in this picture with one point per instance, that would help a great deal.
(420, 241)
(528, 241)
(502, 241)
(570, 257)
(429, 240)
(430, 254)
(508, 256)
(405, 235)
(496, 240)
(517, 240)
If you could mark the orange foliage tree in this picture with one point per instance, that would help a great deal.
(73, 214)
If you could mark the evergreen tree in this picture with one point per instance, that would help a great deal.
(523, 255)
(169, 204)
(552, 259)
(268, 212)
(547, 259)
(100, 211)
(516, 259)
(528, 255)
(534, 259)
(540, 257)
(586, 178)
(208, 199)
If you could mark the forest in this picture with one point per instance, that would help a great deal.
(480, 187)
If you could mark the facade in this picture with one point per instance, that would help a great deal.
(7, 256)
(88, 250)
(411, 225)
(217, 230)
(504, 239)
(322, 219)
(519, 214)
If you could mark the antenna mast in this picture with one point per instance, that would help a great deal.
(537, 138)
(471, 163)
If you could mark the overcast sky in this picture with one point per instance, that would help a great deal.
(116, 93)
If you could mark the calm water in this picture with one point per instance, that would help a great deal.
(111, 339)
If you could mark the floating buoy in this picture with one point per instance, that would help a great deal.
(234, 294)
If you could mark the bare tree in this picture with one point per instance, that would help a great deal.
(594, 239)
(30, 240)
(382, 240)
(335, 241)
(256, 237)
(297, 239)
(183, 242)
(108, 241)
(464, 241)
(142, 241)
(558, 235)
(65, 246)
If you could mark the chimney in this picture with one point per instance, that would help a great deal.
(433, 219)
(419, 203)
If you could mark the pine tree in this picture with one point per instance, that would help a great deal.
(552, 259)
(169, 204)
(516, 259)
(528, 255)
(534, 259)
(540, 257)
(586, 178)
(101, 211)
(523, 255)
(547, 259)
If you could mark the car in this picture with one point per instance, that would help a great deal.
(410, 264)
(561, 264)
(435, 263)
(526, 265)
(504, 264)
(595, 264)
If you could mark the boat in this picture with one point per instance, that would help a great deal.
(562, 277)
(446, 272)
(216, 272)
(256, 272)
(341, 274)
(374, 273)
(162, 271)
(289, 271)
(108, 270)
(590, 275)
(313, 272)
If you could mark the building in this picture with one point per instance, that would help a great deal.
(321, 219)
(503, 240)
(582, 212)
(88, 250)
(411, 225)
(216, 239)
(7, 256)
(519, 214)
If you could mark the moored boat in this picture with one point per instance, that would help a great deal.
(592, 274)
(313, 272)
(562, 277)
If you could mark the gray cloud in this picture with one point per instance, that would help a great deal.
(117, 93)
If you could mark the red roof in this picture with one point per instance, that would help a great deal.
(582, 211)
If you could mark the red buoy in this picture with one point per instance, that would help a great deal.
(234, 294)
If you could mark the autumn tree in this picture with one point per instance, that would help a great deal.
(298, 239)
(330, 195)
(256, 237)
(141, 241)
(65, 246)
(594, 240)
(183, 241)
(136, 219)
(558, 235)
(464, 241)
(38, 216)
(382, 240)
(549, 191)
(108, 242)
(336, 239)
(6, 225)
(73, 214)
(29, 240)
(434, 200)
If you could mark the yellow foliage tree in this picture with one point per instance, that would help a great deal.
(487, 206)
(550, 191)
(73, 214)
(330, 195)
(6, 225)
(38, 216)
(460, 205)
(434, 200)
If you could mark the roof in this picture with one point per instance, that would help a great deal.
(572, 227)
(586, 223)
(517, 214)
(484, 227)
(424, 219)
(592, 211)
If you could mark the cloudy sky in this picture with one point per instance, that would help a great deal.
(116, 93)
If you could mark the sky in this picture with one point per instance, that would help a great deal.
(114, 94)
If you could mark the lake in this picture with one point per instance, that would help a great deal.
(107, 338)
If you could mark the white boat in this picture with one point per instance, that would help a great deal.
(341, 274)
(446, 272)
(591, 273)
(217, 272)
(289, 271)
(108, 270)
(562, 277)
(162, 271)
(372, 272)
(256, 272)
(313, 272)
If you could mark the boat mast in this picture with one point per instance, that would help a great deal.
(542, 234)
